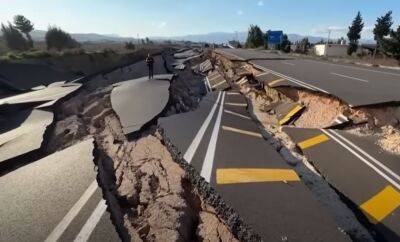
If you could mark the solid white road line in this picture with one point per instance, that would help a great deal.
(199, 136)
(236, 114)
(390, 180)
(349, 77)
(208, 85)
(206, 169)
(288, 63)
(298, 82)
(237, 104)
(357, 68)
(380, 164)
(233, 93)
(64, 223)
(91, 223)
(262, 74)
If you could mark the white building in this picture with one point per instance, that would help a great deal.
(330, 50)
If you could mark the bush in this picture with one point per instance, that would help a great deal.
(59, 39)
(130, 46)
(73, 52)
(13, 38)
(35, 54)
(108, 52)
(352, 48)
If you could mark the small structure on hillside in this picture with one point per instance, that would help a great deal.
(330, 50)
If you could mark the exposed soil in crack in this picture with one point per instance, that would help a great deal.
(312, 117)
(151, 193)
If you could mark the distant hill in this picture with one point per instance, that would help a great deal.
(39, 35)
(224, 37)
(215, 37)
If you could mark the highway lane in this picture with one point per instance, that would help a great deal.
(358, 86)
(224, 145)
(248, 54)
(55, 199)
(368, 177)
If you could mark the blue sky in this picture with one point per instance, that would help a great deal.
(181, 17)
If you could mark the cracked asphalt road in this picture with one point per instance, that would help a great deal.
(358, 86)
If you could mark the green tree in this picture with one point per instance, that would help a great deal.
(303, 46)
(25, 26)
(59, 39)
(392, 45)
(382, 28)
(285, 46)
(130, 45)
(354, 33)
(265, 36)
(255, 37)
(13, 38)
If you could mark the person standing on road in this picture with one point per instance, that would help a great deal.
(150, 64)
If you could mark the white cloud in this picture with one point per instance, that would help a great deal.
(260, 3)
(162, 25)
(239, 12)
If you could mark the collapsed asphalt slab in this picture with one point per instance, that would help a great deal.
(27, 136)
(48, 95)
(254, 197)
(136, 102)
(216, 81)
(246, 55)
(35, 198)
(367, 180)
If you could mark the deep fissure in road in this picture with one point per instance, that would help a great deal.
(151, 193)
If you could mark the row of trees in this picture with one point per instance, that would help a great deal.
(17, 36)
(256, 38)
(387, 39)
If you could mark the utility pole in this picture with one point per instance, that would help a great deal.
(327, 43)
(138, 40)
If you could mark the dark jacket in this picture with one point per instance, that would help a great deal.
(150, 61)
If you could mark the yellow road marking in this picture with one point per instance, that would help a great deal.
(219, 84)
(237, 104)
(290, 114)
(214, 78)
(240, 131)
(232, 176)
(275, 81)
(313, 141)
(382, 204)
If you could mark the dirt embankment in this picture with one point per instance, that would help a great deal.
(151, 194)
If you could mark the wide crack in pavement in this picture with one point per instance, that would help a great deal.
(150, 196)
